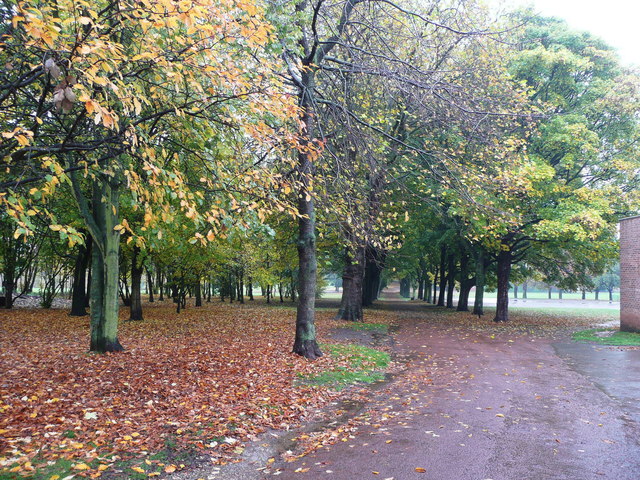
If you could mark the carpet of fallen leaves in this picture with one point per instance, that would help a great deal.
(207, 379)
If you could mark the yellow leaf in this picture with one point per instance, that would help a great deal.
(170, 469)
(138, 469)
(420, 470)
(81, 466)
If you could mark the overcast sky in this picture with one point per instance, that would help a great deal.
(615, 21)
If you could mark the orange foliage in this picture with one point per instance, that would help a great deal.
(207, 373)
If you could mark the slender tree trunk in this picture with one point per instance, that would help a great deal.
(435, 286)
(428, 292)
(610, 295)
(597, 293)
(524, 290)
(78, 296)
(150, 286)
(9, 281)
(465, 284)
(451, 280)
(549, 293)
(420, 288)
(135, 305)
(443, 277)
(250, 289)
(584, 294)
(352, 279)
(515, 291)
(504, 272)
(305, 342)
(198, 292)
(559, 294)
(478, 304)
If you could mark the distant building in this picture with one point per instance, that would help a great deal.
(630, 274)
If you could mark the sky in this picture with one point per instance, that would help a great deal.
(617, 22)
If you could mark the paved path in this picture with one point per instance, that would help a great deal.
(475, 406)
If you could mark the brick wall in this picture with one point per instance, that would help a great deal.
(630, 274)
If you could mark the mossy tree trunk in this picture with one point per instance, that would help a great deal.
(101, 217)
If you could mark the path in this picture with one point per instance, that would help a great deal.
(471, 405)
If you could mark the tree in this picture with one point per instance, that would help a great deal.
(98, 95)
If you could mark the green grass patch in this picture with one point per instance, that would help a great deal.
(368, 327)
(615, 337)
(364, 365)
(604, 313)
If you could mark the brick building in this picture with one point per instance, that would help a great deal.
(630, 274)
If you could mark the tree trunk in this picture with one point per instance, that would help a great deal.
(305, 343)
(610, 295)
(504, 272)
(549, 293)
(428, 292)
(560, 294)
(443, 277)
(198, 288)
(515, 291)
(135, 305)
(9, 281)
(435, 286)
(150, 286)
(524, 290)
(451, 280)
(105, 267)
(352, 283)
(373, 259)
(78, 296)
(597, 293)
(478, 303)
(420, 289)
(584, 294)
(465, 284)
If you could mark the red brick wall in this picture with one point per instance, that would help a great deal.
(630, 274)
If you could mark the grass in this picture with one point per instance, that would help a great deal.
(617, 338)
(369, 327)
(595, 313)
(360, 365)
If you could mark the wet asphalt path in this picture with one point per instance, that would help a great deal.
(472, 406)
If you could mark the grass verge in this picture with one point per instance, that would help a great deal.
(358, 364)
(368, 327)
(608, 336)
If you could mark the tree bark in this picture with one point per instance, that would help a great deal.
(135, 305)
(198, 292)
(465, 284)
(150, 286)
(373, 260)
(443, 277)
(305, 342)
(504, 272)
(78, 296)
(478, 304)
(351, 303)
(451, 279)
(105, 267)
